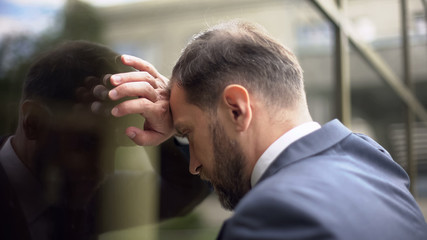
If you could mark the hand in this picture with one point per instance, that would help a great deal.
(152, 102)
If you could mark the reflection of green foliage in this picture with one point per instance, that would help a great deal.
(81, 22)
(14, 54)
(188, 227)
(77, 20)
(189, 221)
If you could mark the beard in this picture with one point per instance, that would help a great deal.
(228, 178)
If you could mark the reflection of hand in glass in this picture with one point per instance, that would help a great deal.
(93, 106)
(93, 96)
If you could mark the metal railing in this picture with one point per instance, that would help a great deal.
(336, 14)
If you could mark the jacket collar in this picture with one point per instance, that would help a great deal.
(330, 134)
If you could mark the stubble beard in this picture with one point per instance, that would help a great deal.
(228, 179)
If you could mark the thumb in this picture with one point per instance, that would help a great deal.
(146, 137)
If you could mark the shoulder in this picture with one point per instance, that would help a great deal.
(292, 191)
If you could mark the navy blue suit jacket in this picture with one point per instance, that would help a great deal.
(330, 184)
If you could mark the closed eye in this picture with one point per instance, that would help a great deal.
(181, 133)
(182, 138)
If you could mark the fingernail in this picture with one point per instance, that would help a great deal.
(126, 58)
(115, 111)
(95, 107)
(131, 135)
(116, 79)
(113, 94)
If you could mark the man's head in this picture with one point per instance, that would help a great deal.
(237, 89)
(57, 133)
(56, 75)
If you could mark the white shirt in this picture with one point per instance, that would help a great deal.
(279, 146)
(28, 190)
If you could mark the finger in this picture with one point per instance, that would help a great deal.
(100, 108)
(121, 78)
(96, 107)
(145, 138)
(106, 81)
(142, 106)
(134, 89)
(140, 64)
(100, 92)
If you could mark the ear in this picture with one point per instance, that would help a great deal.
(238, 106)
(34, 119)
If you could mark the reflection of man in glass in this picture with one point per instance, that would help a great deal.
(61, 153)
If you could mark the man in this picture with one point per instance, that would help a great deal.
(52, 167)
(238, 96)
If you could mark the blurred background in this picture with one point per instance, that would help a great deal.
(157, 30)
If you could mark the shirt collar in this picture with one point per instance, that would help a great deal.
(279, 146)
(25, 185)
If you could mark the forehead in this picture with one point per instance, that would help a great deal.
(183, 112)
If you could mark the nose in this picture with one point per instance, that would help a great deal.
(195, 165)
